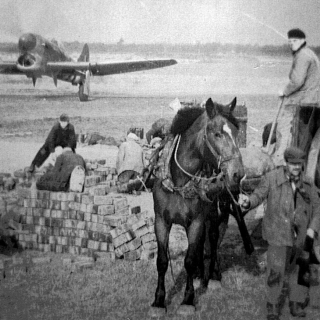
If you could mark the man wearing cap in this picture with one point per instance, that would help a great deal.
(302, 89)
(62, 134)
(58, 179)
(130, 160)
(290, 224)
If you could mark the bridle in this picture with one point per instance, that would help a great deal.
(213, 152)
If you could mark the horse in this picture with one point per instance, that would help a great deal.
(207, 139)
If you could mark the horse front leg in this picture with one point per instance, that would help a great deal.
(194, 257)
(162, 231)
(211, 262)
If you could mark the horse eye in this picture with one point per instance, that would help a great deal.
(217, 135)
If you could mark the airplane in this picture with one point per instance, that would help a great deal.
(39, 56)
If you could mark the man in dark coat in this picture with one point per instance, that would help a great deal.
(62, 134)
(58, 178)
(290, 225)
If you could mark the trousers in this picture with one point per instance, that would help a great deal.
(282, 274)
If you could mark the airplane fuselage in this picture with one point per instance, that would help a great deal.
(35, 52)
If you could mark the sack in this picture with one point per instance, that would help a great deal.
(77, 179)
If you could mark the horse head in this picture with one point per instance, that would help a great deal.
(221, 141)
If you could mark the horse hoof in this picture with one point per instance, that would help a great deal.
(214, 285)
(155, 312)
(185, 310)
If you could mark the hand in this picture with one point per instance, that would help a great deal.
(308, 243)
(244, 201)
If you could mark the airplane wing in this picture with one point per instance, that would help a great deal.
(107, 68)
(9, 68)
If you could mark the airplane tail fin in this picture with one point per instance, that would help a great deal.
(84, 56)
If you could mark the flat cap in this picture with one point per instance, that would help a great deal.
(294, 155)
(296, 33)
(64, 118)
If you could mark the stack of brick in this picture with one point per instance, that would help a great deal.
(84, 223)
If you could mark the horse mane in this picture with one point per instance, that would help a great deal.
(185, 118)
(187, 115)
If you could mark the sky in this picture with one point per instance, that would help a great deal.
(256, 22)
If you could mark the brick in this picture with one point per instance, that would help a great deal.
(125, 237)
(46, 213)
(83, 207)
(29, 220)
(150, 245)
(87, 216)
(132, 219)
(141, 231)
(77, 197)
(58, 248)
(114, 220)
(65, 205)
(134, 244)
(124, 211)
(73, 214)
(86, 198)
(70, 196)
(148, 237)
(102, 200)
(75, 206)
(81, 225)
(62, 196)
(120, 203)
(138, 225)
(79, 216)
(132, 255)
(94, 218)
(54, 204)
(105, 209)
(149, 221)
(93, 244)
(82, 265)
(98, 191)
(118, 253)
(37, 212)
(83, 234)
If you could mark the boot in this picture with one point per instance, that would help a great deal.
(273, 311)
(296, 309)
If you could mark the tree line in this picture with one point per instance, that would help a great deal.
(178, 50)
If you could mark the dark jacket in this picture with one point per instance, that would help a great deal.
(280, 223)
(58, 178)
(61, 137)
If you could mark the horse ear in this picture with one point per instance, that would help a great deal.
(211, 108)
(233, 104)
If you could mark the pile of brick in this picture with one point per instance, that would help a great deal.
(83, 223)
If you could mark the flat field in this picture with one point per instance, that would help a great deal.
(124, 290)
